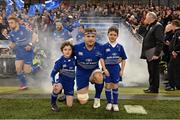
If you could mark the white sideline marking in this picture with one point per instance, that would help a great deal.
(135, 109)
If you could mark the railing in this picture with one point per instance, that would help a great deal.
(7, 60)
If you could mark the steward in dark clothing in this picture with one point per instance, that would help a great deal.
(174, 64)
(168, 38)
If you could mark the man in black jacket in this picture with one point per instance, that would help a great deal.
(174, 64)
(153, 39)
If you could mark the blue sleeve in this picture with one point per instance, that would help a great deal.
(75, 50)
(122, 53)
(11, 38)
(28, 34)
(103, 52)
(57, 67)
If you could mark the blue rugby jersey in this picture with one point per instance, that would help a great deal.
(21, 37)
(62, 35)
(87, 60)
(113, 55)
(65, 67)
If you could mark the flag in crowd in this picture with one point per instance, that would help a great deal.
(52, 4)
(19, 4)
(9, 7)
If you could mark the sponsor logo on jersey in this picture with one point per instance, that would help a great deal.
(17, 38)
(64, 65)
(71, 68)
(80, 53)
(98, 53)
(108, 50)
(21, 33)
(114, 54)
(88, 60)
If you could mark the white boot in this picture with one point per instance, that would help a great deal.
(115, 107)
(96, 103)
(109, 107)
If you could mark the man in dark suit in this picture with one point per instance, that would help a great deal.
(174, 64)
(153, 39)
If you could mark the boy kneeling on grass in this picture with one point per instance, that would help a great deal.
(65, 66)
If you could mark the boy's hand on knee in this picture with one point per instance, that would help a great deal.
(56, 87)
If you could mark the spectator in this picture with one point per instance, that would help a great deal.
(4, 34)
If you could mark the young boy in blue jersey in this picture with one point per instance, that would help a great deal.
(113, 55)
(65, 66)
(22, 41)
(88, 54)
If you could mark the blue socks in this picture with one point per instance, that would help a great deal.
(53, 98)
(108, 95)
(21, 77)
(115, 96)
(35, 68)
(99, 88)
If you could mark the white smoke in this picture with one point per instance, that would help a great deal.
(135, 70)
(136, 73)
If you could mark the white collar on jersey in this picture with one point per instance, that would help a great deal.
(113, 44)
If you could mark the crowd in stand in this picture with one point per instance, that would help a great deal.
(134, 14)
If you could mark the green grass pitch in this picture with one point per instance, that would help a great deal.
(29, 106)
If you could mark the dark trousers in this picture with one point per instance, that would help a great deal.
(174, 72)
(153, 69)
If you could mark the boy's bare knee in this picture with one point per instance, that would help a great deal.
(98, 78)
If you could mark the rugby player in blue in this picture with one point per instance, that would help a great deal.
(88, 55)
(113, 64)
(65, 66)
(80, 35)
(22, 41)
(61, 34)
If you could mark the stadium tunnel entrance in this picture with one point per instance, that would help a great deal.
(135, 71)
